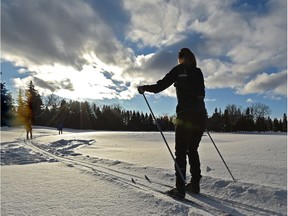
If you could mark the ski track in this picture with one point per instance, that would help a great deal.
(208, 204)
(120, 177)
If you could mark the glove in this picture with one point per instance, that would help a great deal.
(141, 89)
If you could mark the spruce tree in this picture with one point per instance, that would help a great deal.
(6, 106)
(34, 103)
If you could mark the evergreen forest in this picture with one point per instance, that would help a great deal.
(51, 111)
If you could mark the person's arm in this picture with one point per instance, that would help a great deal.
(161, 85)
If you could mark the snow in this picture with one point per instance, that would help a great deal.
(91, 172)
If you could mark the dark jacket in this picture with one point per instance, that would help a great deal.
(190, 88)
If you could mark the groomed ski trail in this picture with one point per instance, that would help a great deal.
(204, 204)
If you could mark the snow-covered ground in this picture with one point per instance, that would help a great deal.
(103, 173)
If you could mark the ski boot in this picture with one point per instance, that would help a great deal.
(193, 187)
(176, 193)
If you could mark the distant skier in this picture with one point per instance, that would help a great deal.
(191, 117)
(28, 128)
(60, 128)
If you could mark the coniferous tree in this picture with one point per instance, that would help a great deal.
(34, 103)
(97, 125)
(24, 112)
(227, 124)
(234, 115)
(63, 113)
(260, 124)
(215, 123)
(269, 124)
(50, 113)
(151, 124)
(7, 106)
(276, 125)
(86, 115)
(249, 123)
(284, 129)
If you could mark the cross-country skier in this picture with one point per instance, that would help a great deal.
(28, 128)
(191, 117)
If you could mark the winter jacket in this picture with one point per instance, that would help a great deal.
(190, 88)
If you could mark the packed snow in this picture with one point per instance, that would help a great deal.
(126, 173)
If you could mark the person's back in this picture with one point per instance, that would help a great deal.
(191, 118)
(190, 88)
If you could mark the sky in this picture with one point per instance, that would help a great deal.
(100, 51)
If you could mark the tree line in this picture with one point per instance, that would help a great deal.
(52, 111)
(253, 118)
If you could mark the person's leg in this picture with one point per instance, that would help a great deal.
(181, 140)
(31, 133)
(182, 137)
(197, 121)
(194, 160)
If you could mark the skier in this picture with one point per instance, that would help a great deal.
(191, 118)
(28, 128)
(60, 127)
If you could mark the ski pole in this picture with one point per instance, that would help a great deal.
(21, 134)
(220, 155)
(159, 128)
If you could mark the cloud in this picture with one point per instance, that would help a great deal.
(272, 85)
(210, 100)
(50, 37)
(104, 49)
(49, 32)
(239, 46)
(229, 45)
(52, 86)
(22, 71)
(250, 100)
(42, 32)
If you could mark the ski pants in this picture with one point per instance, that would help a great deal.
(189, 131)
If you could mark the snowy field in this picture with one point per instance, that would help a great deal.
(103, 173)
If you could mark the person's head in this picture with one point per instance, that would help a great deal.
(186, 56)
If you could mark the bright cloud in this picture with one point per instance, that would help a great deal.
(250, 101)
(273, 84)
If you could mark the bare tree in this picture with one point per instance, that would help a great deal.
(52, 102)
(259, 110)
